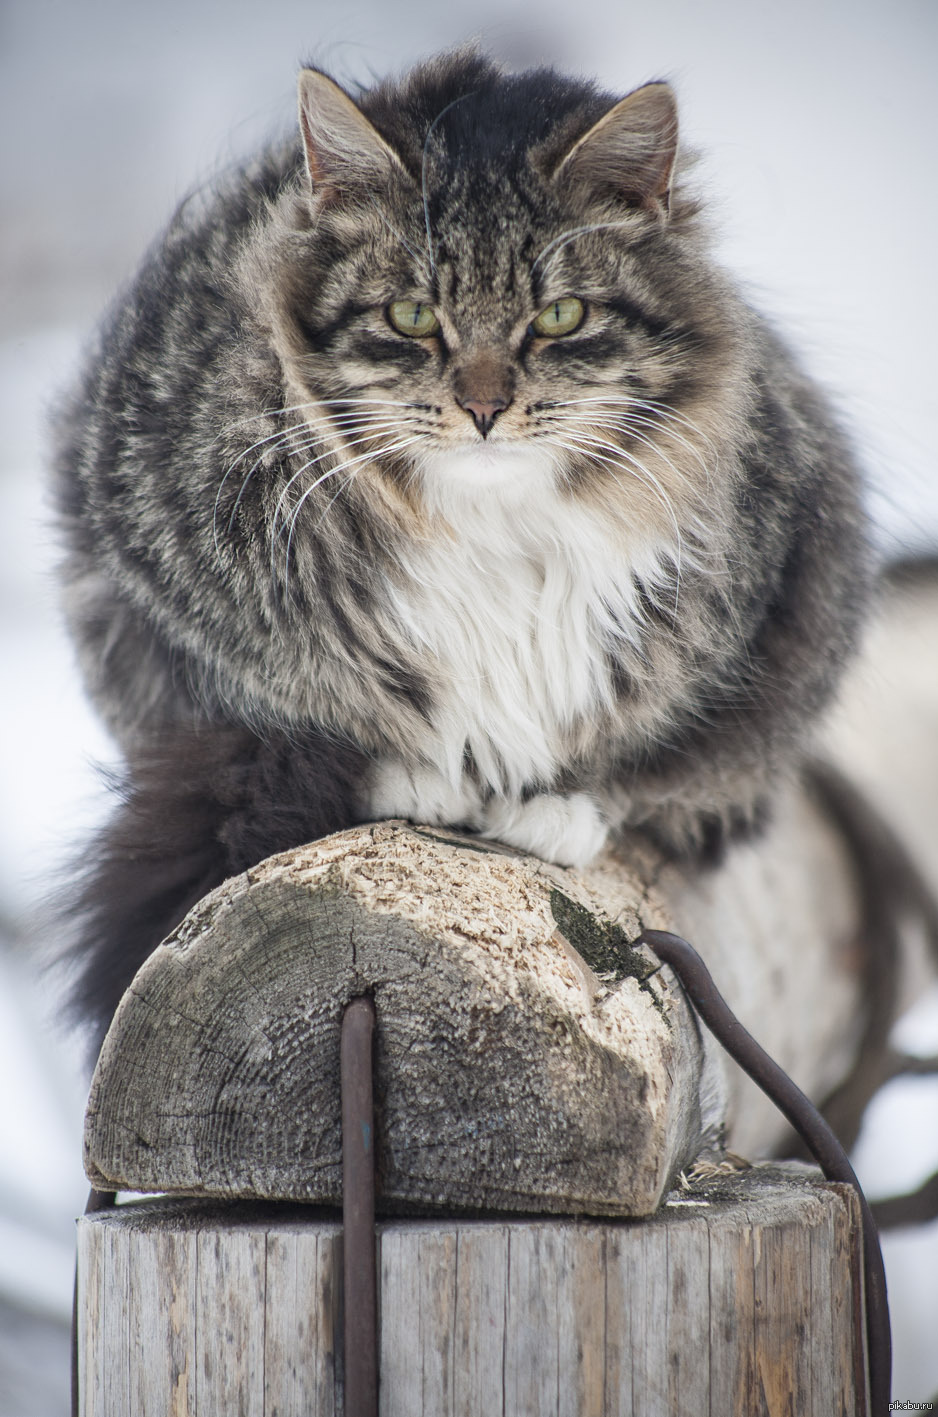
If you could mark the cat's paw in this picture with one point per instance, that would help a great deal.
(567, 829)
(421, 795)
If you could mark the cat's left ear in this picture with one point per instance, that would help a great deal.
(630, 152)
(343, 150)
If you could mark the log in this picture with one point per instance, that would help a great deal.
(740, 1296)
(527, 1058)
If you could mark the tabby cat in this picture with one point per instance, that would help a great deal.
(430, 468)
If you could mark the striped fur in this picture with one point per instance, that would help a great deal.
(318, 570)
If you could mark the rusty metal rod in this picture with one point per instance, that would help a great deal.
(810, 1126)
(358, 1210)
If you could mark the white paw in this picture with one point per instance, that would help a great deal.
(421, 795)
(569, 830)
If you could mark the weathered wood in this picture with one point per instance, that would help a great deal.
(526, 1057)
(739, 1297)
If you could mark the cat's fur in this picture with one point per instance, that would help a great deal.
(320, 571)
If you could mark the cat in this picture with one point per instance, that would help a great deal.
(431, 468)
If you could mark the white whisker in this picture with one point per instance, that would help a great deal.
(423, 169)
(327, 452)
(630, 424)
(573, 232)
(283, 437)
(353, 417)
(630, 402)
(584, 443)
(332, 472)
(628, 427)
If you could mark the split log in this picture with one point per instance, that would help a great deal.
(528, 1058)
(740, 1296)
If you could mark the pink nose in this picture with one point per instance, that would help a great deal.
(484, 414)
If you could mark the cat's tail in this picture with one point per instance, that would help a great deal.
(199, 806)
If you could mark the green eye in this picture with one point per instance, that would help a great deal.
(561, 317)
(413, 317)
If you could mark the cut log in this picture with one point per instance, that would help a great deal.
(740, 1296)
(527, 1058)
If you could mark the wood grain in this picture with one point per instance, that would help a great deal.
(526, 1057)
(738, 1297)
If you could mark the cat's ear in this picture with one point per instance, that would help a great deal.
(630, 152)
(343, 150)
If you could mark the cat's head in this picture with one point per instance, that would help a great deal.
(491, 288)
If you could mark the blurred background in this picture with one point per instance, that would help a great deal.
(817, 120)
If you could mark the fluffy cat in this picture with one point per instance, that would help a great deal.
(430, 468)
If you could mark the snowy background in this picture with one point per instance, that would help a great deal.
(817, 121)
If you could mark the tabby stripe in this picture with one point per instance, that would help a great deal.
(635, 314)
(321, 337)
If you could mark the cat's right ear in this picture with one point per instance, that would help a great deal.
(343, 150)
(630, 153)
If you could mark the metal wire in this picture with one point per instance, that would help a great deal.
(698, 984)
(359, 1256)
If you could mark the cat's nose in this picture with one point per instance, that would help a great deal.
(483, 413)
(484, 385)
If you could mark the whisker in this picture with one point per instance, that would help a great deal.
(573, 232)
(395, 403)
(283, 436)
(332, 472)
(423, 170)
(629, 401)
(327, 452)
(582, 442)
(629, 428)
(253, 417)
(627, 425)
(377, 421)
(299, 407)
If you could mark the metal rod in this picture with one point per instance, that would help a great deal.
(358, 1210)
(810, 1126)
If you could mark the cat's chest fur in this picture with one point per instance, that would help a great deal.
(518, 607)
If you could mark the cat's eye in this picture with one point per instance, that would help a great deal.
(560, 317)
(413, 317)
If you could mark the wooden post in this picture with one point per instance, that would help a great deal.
(740, 1296)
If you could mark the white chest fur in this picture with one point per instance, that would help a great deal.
(514, 605)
